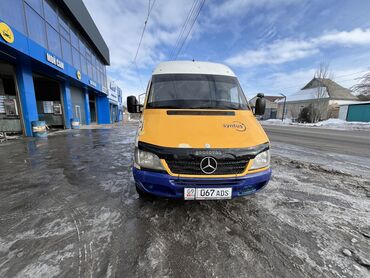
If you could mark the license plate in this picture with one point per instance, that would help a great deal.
(207, 193)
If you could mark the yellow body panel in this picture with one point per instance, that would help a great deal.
(241, 130)
(201, 131)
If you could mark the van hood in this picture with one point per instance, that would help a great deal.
(201, 129)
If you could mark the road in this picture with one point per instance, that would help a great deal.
(347, 142)
(68, 208)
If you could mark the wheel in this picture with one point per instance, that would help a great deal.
(143, 194)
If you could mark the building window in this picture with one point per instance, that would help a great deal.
(35, 26)
(82, 47)
(89, 70)
(16, 20)
(66, 51)
(36, 5)
(74, 39)
(50, 14)
(93, 60)
(63, 28)
(76, 58)
(88, 55)
(95, 74)
(100, 78)
(53, 40)
(83, 64)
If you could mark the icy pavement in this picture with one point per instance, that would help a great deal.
(68, 208)
(349, 164)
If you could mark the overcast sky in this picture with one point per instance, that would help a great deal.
(274, 46)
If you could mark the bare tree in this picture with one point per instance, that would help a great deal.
(319, 104)
(363, 87)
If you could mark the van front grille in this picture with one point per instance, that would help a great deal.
(192, 167)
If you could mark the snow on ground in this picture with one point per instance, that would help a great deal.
(330, 123)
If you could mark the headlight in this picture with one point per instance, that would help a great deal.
(147, 160)
(261, 160)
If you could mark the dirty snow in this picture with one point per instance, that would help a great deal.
(330, 123)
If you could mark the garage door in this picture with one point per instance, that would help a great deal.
(359, 113)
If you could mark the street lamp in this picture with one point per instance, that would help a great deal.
(282, 118)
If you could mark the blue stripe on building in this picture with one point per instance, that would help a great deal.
(50, 50)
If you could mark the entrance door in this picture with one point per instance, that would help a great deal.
(92, 108)
(10, 121)
(48, 100)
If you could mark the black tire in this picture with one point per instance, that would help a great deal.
(143, 195)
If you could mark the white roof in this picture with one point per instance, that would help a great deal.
(353, 103)
(306, 94)
(193, 68)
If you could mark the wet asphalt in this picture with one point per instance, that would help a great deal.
(347, 142)
(68, 208)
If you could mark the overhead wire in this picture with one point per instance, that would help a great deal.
(150, 8)
(193, 16)
(134, 61)
(183, 28)
(191, 27)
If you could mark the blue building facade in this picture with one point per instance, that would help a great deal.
(52, 65)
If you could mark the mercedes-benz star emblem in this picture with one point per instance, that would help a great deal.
(208, 165)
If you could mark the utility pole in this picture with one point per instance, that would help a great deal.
(282, 118)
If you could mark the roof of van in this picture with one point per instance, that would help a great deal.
(173, 67)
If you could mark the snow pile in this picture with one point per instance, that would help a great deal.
(330, 123)
(277, 122)
(341, 124)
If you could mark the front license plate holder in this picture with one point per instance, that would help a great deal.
(191, 193)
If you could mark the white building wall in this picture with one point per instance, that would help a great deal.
(112, 92)
(343, 109)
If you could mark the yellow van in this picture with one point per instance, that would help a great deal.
(198, 138)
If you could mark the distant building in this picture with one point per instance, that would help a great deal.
(271, 106)
(355, 112)
(326, 92)
(115, 102)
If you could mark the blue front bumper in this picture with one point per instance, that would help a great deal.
(164, 185)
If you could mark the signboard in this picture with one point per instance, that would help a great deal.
(92, 83)
(2, 106)
(57, 109)
(54, 60)
(6, 33)
(10, 106)
(48, 107)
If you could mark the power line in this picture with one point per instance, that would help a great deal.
(183, 28)
(191, 27)
(150, 8)
(196, 12)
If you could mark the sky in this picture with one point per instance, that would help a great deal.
(274, 46)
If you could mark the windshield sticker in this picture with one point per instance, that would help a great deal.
(236, 125)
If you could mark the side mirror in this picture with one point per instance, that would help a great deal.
(132, 105)
(260, 105)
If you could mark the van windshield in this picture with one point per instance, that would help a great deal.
(196, 91)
